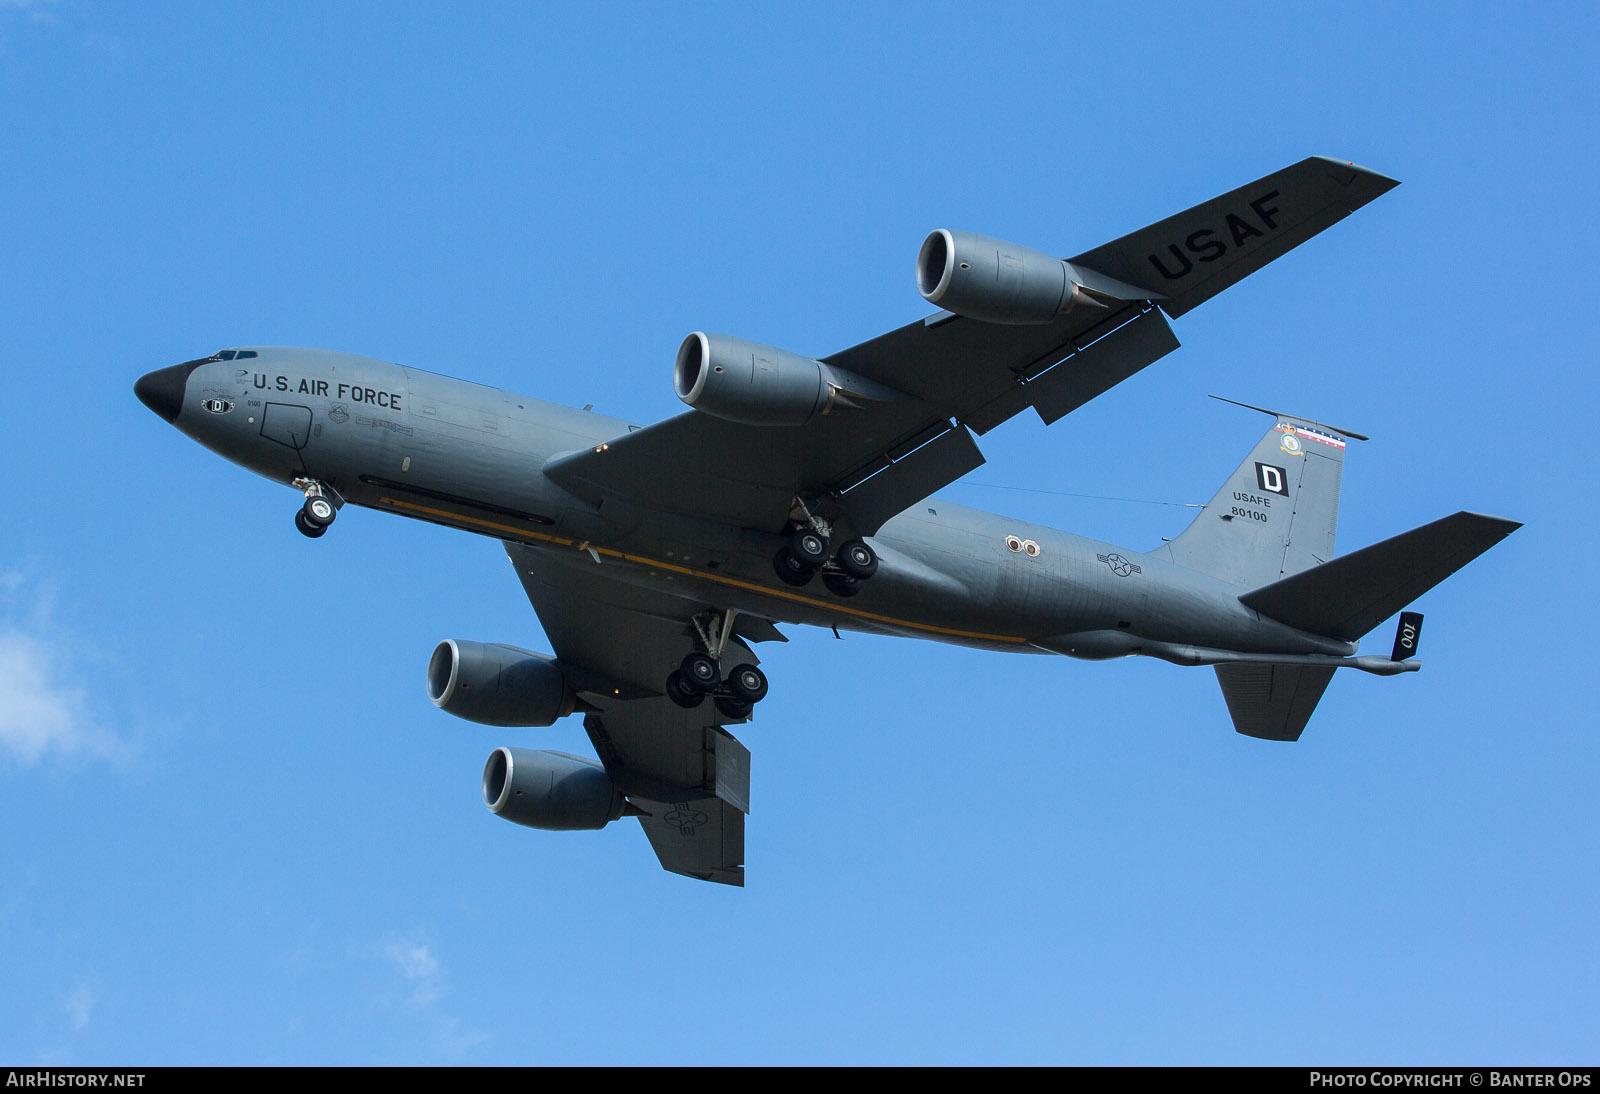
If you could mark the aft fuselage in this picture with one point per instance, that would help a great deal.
(388, 437)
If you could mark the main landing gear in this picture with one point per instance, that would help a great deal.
(321, 507)
(806, 553)
(700, 673)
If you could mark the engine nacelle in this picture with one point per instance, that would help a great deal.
(993, 280)
(497, 685)
(747, 382)
(549, 790)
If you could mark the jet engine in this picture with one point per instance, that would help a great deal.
(1001, 282)
(497, 685)
(746, 382)
(549, 790)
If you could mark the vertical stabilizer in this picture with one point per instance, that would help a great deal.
(1277, 513)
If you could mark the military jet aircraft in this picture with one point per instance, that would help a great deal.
(796, 490)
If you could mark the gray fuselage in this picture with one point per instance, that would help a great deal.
(393, 438)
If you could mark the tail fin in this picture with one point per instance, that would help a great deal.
(1352, 594)
(1277, 513)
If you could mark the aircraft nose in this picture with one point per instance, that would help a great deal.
(162, 390)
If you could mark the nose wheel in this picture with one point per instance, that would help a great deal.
(320, 509)
(307, 529)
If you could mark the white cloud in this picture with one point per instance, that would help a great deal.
(41, 709)
(452, 1039)
(37, 711)
(415, 962)
(80, 1005)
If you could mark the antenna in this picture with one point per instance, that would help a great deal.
(1352, 434)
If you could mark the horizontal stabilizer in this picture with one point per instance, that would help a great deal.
(1352, 594)
(1273, 702)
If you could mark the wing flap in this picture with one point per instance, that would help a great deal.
(1102, 366)
(906, 481)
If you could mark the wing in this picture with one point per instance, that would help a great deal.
(686, 778)
(964, 375)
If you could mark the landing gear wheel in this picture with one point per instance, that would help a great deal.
(307, 529)
(790, 569)
(841, 584)
(319, 511)
(699, 673)
(809, 547)
(735, 710)
(749, 684)
(858, 560)
(684, 698)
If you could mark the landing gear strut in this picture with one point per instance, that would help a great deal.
(700, 673)
(321, 507)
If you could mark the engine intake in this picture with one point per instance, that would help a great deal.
(551, 790)
(498, 685)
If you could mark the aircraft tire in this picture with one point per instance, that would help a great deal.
(790, 569)
(735, 710)
(686, 699)
(809, 547)
(319, 511)
(307, 529)
(841, 584)
(749, 684)
(858, 560)
(699, 673)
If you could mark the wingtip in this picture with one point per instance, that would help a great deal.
(1375, 182)
(1505, 524)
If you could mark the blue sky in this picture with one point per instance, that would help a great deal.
(232, 828)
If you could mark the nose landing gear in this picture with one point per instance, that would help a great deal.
(320, 509)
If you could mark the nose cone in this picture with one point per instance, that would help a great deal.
(162, 390)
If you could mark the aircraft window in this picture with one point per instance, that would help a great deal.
(247, 353)
(226, 355)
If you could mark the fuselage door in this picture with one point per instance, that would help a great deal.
(287, 424)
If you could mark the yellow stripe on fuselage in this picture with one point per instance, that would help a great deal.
(513, 532)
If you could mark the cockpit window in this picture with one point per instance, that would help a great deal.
(232, 354)
(227, 355)
(247, 353)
